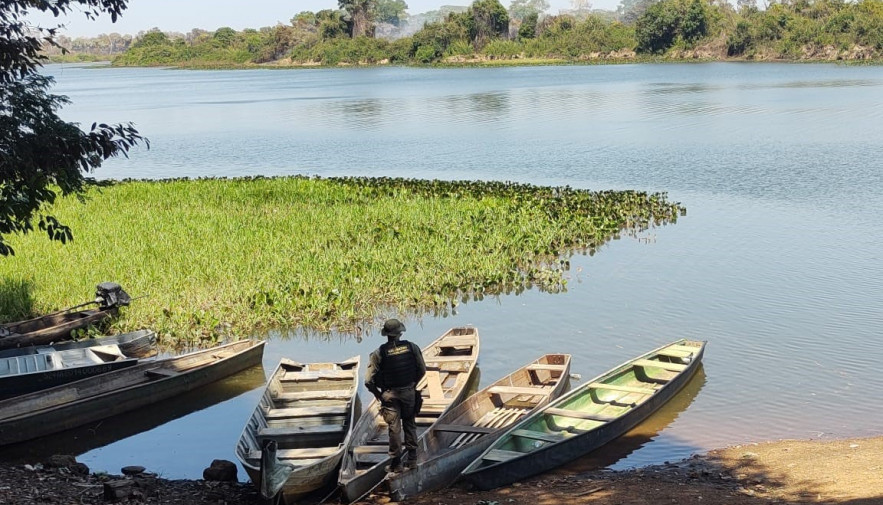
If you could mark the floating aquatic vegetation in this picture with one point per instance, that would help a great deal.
(215, 256)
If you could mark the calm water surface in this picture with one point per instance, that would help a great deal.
(777, 264)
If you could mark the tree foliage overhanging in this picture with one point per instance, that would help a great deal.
(370, 32)
(40, 154)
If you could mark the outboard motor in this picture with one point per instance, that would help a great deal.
(110, 294)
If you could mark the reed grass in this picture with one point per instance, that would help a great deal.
(213, 257)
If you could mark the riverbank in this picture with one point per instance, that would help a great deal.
(848, 471)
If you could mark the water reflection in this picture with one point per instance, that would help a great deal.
(614, 453)
(108, 431)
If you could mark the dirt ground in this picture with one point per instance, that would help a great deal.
(833, 472)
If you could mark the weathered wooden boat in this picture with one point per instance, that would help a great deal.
(588, 417)
(294, 440)
(95, 398)
(450, 362)
(59, 326)
(29, 369)
(465, 431)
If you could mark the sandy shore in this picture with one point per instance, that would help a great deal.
(789, 471)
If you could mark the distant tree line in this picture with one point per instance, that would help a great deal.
(381, 31)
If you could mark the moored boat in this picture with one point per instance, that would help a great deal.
(294, 440)
(587, 417)
(77, 403)
(450, 362)
(60, 326)
(465, 431)
(28, 369)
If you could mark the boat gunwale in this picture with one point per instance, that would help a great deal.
(139, 370)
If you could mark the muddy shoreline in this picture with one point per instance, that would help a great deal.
(848, 471)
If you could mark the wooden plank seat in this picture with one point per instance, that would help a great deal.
(458, 341)
(501, 455)
(464, 428)
(292, 412)
(577, 414)
(683, 348)
(543, 366)
(293, 434)
(371, 458)
(317, 375)
(539, 435)
(436, 359)
(365, 449)
(674, 353)
(544, 390)
(343, 394)
(672, 367)
(624, 389)
(306, 453)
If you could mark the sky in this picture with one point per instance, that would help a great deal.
(184, 15)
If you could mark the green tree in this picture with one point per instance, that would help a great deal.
(40, 154)
(528, 28)
(489, 20)
(657, 28)
(695, 23)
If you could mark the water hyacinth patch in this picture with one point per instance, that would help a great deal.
(218, 256)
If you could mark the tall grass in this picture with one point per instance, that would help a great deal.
(217, 256)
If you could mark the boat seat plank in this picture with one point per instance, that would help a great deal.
(501, 455)
(161, 372)
(342, 394)
(457, 341)
(672, 367)
(436, 359)
(577, 414)
(365, 449)
(269, 433)
(683, 348)
(464, 428)
(539, 435)
(331, 410)
(371, 458)
(306, 453)
(312, 376)
(543, 366)
(544, 390)
(625, 389)
(673, 353)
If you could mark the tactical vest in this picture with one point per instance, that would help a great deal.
(398, 365)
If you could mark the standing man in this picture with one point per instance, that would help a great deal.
(394, 370)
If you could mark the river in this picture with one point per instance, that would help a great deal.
(777, 264)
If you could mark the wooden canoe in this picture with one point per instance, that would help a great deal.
(51, 327)
(450, 362)
(59, 326)
(300, 428)
(465, 431)
(28, 369)
(95, 398)
(588, 417)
